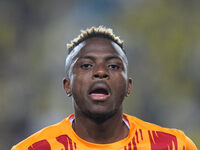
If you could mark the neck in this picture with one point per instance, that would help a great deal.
(109, 131)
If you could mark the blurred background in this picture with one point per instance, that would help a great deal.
(162, 39)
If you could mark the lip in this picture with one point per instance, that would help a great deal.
(99, 86)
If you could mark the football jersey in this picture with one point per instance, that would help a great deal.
(142, 136)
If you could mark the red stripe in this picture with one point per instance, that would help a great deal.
(141, 134)
(129, 146)
(74, 145)
(125, 148)
(134, 144)
(30, 148)
(155, 137)
(150, 137)
(160, 140)
(136, 133)
(63, 139)
(43, 144)
(70, 143)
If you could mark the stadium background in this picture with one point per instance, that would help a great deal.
(162, 39)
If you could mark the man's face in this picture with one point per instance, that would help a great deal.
(98, 80)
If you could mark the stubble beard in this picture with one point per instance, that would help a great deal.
(100, 118)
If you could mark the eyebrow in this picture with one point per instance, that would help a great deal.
(113, 57)
(107, 58)
(87, 57)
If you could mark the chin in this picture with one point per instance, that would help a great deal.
(100, 117)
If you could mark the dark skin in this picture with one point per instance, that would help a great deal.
(99, 83)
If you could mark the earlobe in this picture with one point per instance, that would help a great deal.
(129, 87)
(66, 86)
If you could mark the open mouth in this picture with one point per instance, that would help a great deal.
(99, 92)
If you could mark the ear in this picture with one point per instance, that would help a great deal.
(66, 86)
(129, 87)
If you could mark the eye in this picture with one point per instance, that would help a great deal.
(113, 67)
(86, 66)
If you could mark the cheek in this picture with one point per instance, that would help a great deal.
(78, 77)
(120, 83)
(80, 82)
(125, 77)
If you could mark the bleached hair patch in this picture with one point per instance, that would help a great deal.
(95, 32)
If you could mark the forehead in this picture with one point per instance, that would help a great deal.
(100, 46)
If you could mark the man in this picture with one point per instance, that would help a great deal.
(97, 80)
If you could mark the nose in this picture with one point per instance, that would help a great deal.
(100, 73)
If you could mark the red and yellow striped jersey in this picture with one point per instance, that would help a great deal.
(142, 136)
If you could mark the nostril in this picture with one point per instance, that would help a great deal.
(105, 76)
(96, 76)
(100, 76)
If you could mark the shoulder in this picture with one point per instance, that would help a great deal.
(138, 123)
(154, 131)
(43, 135)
